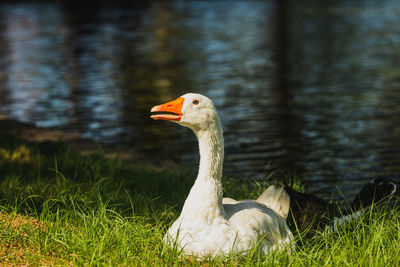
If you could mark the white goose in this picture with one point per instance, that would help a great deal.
(210, 225)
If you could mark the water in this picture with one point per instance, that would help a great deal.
(306, 87)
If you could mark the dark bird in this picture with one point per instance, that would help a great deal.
(308, 212)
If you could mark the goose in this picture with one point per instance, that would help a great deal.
(210, 225)
(308, 212)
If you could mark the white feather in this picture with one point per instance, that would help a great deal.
(210, 225)
(276, 199)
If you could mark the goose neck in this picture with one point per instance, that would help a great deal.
(211, 148)
(205, 198)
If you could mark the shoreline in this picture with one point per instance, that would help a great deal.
(31, 133)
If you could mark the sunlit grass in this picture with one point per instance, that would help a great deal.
(57, 207)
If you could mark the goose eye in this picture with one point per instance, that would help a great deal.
(195, 102)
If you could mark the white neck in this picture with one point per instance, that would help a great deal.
(205, 198)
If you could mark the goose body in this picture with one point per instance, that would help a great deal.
(210, 225)
(308, 212)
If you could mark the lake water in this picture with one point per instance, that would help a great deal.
(312, 88)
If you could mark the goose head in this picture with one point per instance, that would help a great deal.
(191, 110)
(376, 190)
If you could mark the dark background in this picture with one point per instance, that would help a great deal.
(308, 87)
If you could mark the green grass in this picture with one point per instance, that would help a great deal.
(57, 207)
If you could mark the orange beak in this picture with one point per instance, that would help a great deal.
(171, 111)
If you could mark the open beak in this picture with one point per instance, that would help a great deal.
(171, 111)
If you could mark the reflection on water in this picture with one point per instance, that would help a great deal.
(309, 88)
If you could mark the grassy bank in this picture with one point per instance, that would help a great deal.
(57, 207)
